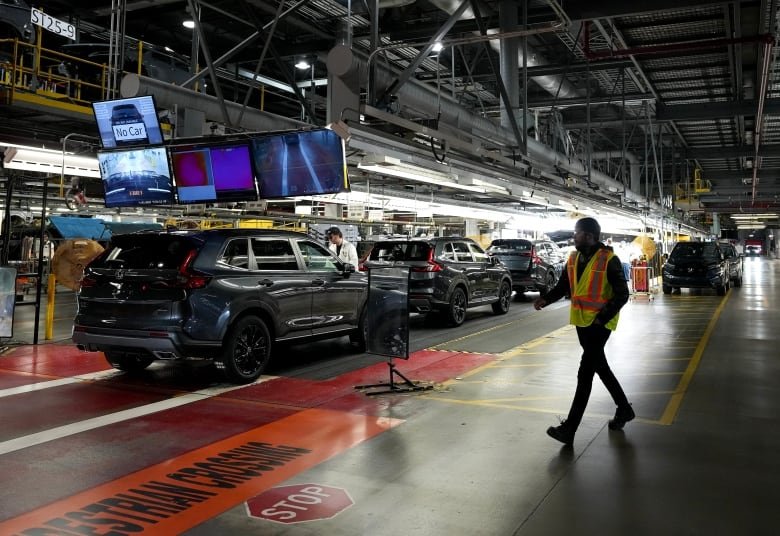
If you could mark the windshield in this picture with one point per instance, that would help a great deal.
(694, 250)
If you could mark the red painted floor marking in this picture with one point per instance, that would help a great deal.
(207, 481)
(53, 360)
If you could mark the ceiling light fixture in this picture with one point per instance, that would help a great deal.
(49, 161)
(189, 24)
(302, 65)
(437, 47)
(393, 167)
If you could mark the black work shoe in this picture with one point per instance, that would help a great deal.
(622, 416)
(562, 433)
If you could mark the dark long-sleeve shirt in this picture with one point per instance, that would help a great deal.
(615, 278)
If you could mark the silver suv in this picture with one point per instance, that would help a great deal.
(225, 295)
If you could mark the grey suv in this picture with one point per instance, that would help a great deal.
(225, 295)
(447, 275)
(535, 265)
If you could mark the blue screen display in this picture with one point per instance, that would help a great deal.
(136, 177)
(309, 162)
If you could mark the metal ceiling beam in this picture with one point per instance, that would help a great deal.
(589, 10)
(719, 153)
(715, 110)
(424, 52)
(579, 67)
(583, 101)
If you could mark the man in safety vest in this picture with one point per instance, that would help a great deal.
(594, 280)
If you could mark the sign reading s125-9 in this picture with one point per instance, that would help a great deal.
(53, 25)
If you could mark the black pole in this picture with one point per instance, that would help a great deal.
(41, 238)
(9, 190)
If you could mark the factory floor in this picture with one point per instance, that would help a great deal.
(88, 450)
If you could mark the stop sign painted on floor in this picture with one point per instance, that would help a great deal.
(299, 503)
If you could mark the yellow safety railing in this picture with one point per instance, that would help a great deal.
(32, 68)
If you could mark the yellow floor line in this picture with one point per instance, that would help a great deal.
(670, 413)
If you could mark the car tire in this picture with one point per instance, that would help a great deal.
(128, 362)
(246, 350)
(666, 289)
(738, 281)
(360, 336)
(722, 289)
(549, 282)
(501, 307)
(456, 311)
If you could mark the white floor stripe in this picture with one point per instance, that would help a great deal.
(90, 424)
(39, 386)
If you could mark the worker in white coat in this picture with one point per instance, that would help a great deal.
(341, 247)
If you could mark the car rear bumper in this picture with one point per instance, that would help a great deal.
(157, 344)
(692, 282)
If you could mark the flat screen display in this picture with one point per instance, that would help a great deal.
(136, 177)
(213, 173)
(128, 122)
(300, 163)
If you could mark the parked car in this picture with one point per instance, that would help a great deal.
(227, 295)
(752, 251)
(447, 275)
(534, 265)
(733, 263)
(696, 265)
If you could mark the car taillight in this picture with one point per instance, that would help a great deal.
(88, 281)
(432, 265)
(187, 277)
(534, 257)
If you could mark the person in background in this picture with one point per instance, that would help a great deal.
(341, 247)
(595, 303)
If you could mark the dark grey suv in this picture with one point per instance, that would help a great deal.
(224, 295)
(535, 265)
(447, 275)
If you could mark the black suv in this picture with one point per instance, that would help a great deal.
(447, 275)
(535, 265)
(696, 265)
(224, 295)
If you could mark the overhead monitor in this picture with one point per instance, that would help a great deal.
(128, 122)
(136, 177)
(300, 163)
(221, 172)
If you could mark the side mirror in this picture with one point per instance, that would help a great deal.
(349, 268)
(495, 261)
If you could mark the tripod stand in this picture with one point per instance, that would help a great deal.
(406, 386)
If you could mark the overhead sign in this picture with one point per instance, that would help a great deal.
(299, 503)
(48, 22)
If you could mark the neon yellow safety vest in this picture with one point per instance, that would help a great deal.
(592, 292)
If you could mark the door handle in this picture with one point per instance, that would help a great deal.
(317, 282)
(265, 282)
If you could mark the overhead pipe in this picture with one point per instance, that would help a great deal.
(170, 96)
(634, 166)
(759, 123)
(419, 97)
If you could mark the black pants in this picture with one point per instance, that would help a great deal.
(594, 361)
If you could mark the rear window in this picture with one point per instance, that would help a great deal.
(510, 245)
(146, 252)
(694, 250)
(400, 251)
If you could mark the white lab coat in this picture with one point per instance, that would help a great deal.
(348, 253)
